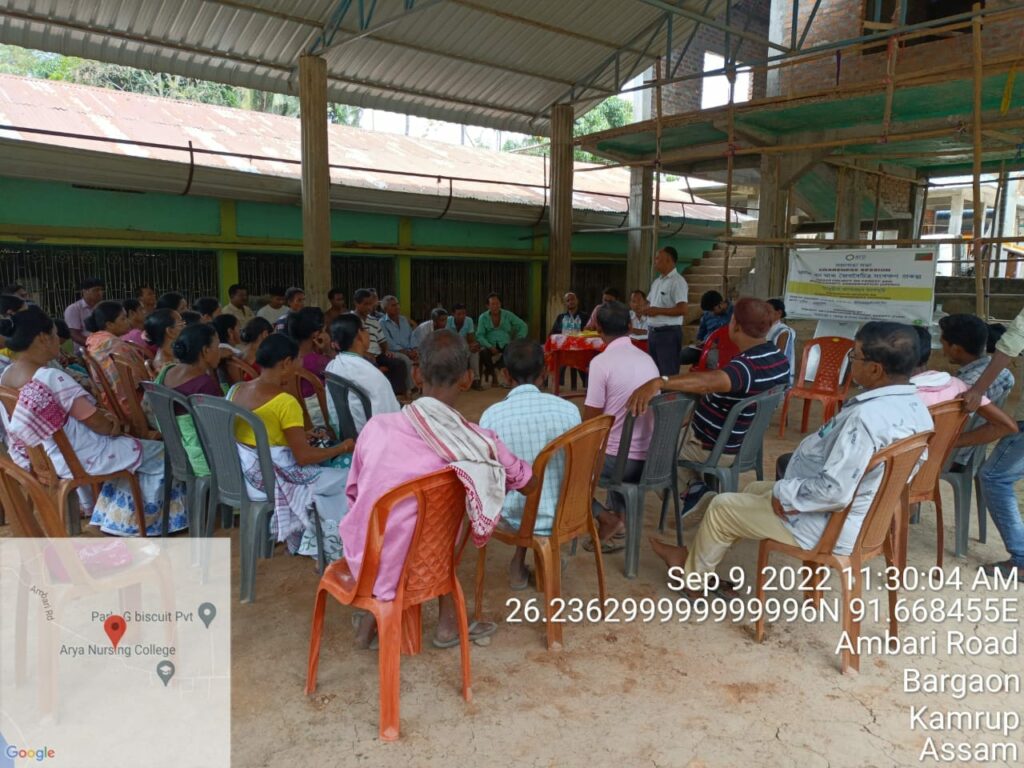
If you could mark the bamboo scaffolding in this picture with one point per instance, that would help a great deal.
(907, 242)
(782, 149)
(999, 216)
(827, 52)
(874, 223)
(657, 169)
(729, 172)
(978, 228)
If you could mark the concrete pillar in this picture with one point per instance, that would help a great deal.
(917, 211)
(849, 194)
(1008, 220)
(560, 256)
(771, 260)
(316, 180)
(956, 224)
(640, 242)
(778, 20)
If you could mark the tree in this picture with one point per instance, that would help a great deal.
(613, 112)
(52, 66)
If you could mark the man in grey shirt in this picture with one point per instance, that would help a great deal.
(826, 473)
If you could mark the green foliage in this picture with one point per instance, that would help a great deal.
(52, 66)
(610, 113)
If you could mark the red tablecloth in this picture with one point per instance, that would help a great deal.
(572, 352)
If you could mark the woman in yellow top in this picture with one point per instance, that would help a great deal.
(301, 481)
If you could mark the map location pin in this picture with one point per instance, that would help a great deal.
(115, 626)
(165, 671)
(207, 612)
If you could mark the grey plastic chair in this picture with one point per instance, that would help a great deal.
(163, 401)
(215, 421)
(669, 411)
(961, 480)
(338, 389)
(751, 453)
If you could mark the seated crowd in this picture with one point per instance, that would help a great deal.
(332, 485)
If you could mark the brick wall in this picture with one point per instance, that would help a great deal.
(893, 194)
(835, 20)
(752, 15)
(841, 19)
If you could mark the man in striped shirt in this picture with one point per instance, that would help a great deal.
(760, 366)
(377, 352)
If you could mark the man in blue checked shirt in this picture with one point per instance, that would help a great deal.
(526, 421)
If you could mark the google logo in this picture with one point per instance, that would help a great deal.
(38, 755)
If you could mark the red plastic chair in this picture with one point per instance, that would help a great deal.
(717, 340)
(429, 572)
(830, 383)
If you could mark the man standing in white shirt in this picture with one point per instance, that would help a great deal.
(352, 341)
(666, 312)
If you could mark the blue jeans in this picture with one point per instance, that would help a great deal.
(998, 476)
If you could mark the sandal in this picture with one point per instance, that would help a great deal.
(519, 586)
(609, 547)
(727, 590)
(478, 630)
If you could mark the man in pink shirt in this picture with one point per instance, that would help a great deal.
(389, 452)
(614, 375)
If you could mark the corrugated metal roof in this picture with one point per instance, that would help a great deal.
(484, 62)
(269, 146)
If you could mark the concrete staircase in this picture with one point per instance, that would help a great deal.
(707, 273)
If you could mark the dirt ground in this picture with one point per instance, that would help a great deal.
(623, 694)
(667, 694)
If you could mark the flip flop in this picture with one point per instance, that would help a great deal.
(727, 589)
(519, 586)
(478, 630)
(609, 547)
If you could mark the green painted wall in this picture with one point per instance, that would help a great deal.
(41, 203)
(282, 222)
(468, 234)
(78, 215)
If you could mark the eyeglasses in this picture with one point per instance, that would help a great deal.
(851, 358)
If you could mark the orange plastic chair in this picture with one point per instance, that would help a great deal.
(35, 517)
(949, 418)
(238, 370)
(830, 384)
(143, 351)
(105, 389)
(719, 340)
(583, 448)
(429, 572)
(897, 461)
(76, 568)
(61, 488)
(129, 393)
